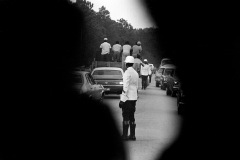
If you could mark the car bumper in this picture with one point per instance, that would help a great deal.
(181, 100)
(113, 88)
(175, 88)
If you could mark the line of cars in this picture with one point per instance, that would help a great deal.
(99, 81)
(166, 77)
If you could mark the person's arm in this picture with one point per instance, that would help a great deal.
(100, 48)
(110, 48)
(131, 51)
(149, 70)
(126, 80)
(141, 69)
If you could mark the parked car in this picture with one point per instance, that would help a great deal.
(166, 71)
(110, 77)
(85, 84)
(158, 74)
(172, 83)
(181, 99)
(165, 61)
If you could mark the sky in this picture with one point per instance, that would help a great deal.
(131, 10)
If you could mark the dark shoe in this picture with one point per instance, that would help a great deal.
(125, 131)
(132, 132)
(132, 138)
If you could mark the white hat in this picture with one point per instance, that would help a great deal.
(139, 42)
(105, 39)
(145, 60)
(129, 59)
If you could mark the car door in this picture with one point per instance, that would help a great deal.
(95, 90)
(78, 82)
(162, 76)
(89, 86)
(170, 79)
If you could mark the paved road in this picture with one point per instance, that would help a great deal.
(156, 119)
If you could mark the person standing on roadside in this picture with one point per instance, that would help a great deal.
(145, 72)
(116, 48)
(105, 50)
(137, 49)
(126, 51)
(151, 72)
(129, 98)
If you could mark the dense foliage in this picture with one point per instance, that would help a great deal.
(99, 25)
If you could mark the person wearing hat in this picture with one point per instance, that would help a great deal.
(105, 50)
(145, 72)
(137, 49)
(128, 99)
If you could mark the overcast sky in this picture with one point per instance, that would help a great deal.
(131, 10)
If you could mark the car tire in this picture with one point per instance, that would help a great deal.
(168, 92)
(180, 109)
(157, 84)
(163, 87)
(173, 94)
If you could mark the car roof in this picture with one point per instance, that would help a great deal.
(108, 68)
(165, 59)
(83, 72)
(168, 66)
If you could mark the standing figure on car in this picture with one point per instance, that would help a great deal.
(126, 51)
(129, 98)
(105, 50)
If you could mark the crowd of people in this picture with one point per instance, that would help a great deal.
(118, 52)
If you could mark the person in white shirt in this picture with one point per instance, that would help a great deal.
(116, 48)
(129, 98)
(145, 72)
(105, 50)
(126, 50)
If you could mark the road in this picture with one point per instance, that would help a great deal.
(157, 122)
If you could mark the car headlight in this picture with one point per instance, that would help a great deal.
(175, 82)
(120, 82)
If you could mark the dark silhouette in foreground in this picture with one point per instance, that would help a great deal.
(41, 115)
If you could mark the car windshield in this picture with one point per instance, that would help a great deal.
(168, 61)
(90, 79)
(107, 72)
(160, 70)
(168, 71)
